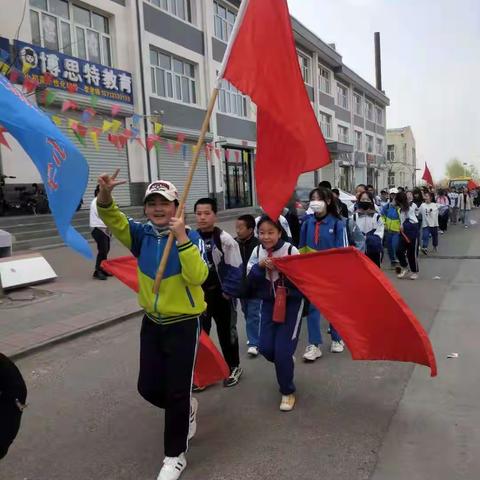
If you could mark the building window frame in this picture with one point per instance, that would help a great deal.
(305, 63)
(358, 104)
(325, 80)
(343, 134)
(223, 21)
(391, 153)
(358, 141)
(68, 31)
(342, 96)
(369, 110)
(325, 121)
(168, 82)
(181, 9)
(369, 143)
(379, 115)
(391, 178)
(231, 101)
(379, 146)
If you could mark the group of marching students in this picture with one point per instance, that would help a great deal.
(209, 273)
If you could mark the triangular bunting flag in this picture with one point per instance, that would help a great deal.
(26, 68)
(184, 151)
(181, 137)
(69, 104)
(116, 124)
(79, 138)
(81, 130)
(237, 156)
(218, 153)
(245, 156)
(49, 97)
(136, 119)
(171, 147)
(88, 114)
(93, 101)
(94, 136)
(72, 87)
(227, 154)
(14, 74)
(115, 109)
(3, 140)
(72, 124)
(29, 85)
(48, 78)
(57, 120)
(106, 126)
(127, 133)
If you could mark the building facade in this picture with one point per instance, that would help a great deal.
(401, 157)
(160, 59)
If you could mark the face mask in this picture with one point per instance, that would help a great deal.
(365, 205)
(318, 206)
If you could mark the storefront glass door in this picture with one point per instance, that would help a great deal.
(238, 179)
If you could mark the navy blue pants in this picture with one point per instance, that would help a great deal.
(278, 341)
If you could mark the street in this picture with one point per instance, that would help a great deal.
(353, 420)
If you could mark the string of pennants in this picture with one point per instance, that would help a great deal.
(111, 126)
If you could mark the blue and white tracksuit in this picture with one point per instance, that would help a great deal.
(316, 235)
(278, 341)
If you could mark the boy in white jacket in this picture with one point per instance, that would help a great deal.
(429, 212)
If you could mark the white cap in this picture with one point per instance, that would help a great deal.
(393, 190)
(163, 188)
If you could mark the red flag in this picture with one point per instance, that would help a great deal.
(13, 76)
(261, 61)
(72, 87)
(3, 140)
(115, 109)
(471, 185)
(29, 84)
(375, 323)
(210, 366)
(427, 176)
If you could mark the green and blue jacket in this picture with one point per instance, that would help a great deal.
(181, 296)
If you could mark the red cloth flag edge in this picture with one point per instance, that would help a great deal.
(375, 323)
(210, 366)
(261, 61)
(472, 185)
(427, 176)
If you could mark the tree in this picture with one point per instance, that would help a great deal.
(455, 168)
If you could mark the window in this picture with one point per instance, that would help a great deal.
(379, 146)
(231, 101)
(304, 67)
(342, 95)
(379, 115)
(343, 134)
(172, 77)
(391, 153)
(326, 125)
(369, 143)
(391, 178)
(358, 141)
(180, 8)
(369, 110)
(224, 20)
(358, 104)
(324, 76)
(73, 30)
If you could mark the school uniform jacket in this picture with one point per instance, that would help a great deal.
(181, 295)
(330, 232)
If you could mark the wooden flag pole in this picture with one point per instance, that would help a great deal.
(186, 190)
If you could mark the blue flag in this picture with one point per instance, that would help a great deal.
(63, 168)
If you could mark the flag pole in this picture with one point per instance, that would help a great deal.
(186, 189)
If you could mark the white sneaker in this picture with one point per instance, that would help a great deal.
(402, 273)
(172, 468)
(312, 352)
(287, 403)
(252, 351)
(337, 347)
(192, 427)
(414, 276)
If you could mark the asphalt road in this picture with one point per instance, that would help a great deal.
(85, 420)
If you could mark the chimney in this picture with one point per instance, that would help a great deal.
(378, 62)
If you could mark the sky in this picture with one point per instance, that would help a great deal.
(430, 65)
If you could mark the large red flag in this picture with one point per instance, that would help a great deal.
(427, 176)
(374, 321)
(210, 366)
(472, 185)
(261, 61)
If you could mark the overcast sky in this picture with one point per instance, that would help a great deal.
(430, 60)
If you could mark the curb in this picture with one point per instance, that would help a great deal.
(101, 325)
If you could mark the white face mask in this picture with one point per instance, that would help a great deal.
(318, 206)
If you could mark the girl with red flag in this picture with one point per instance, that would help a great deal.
(281, 308)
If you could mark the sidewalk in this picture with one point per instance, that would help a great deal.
(34, 317)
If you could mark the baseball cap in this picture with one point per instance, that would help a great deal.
(393, 190)
(163, 188)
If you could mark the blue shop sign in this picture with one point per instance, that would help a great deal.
(90, 78)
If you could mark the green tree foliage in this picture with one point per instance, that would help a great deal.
(455, 168)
